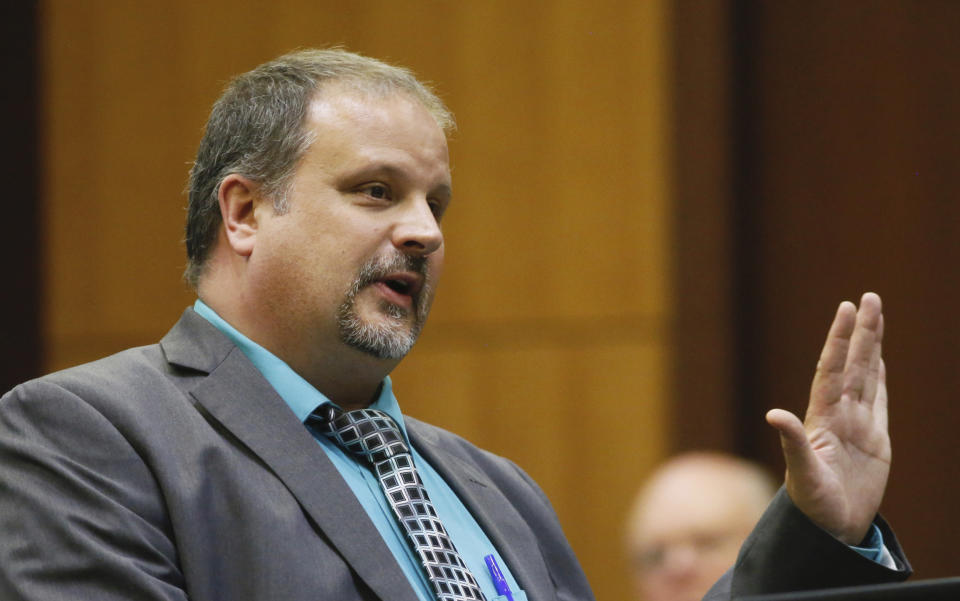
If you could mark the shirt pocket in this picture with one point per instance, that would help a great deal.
(517, 596)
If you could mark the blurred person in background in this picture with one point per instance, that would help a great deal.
(688, 521)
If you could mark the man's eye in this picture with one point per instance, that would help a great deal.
(377, 191)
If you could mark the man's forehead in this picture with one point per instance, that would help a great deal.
(336, 103)
(357, 134)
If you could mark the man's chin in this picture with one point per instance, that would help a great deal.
(391, 318)
(380, 336)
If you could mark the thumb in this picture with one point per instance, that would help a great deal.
(797, 452)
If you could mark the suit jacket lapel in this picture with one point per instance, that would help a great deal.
(238, 397)
(501, 522)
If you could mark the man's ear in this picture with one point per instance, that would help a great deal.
(238, 198)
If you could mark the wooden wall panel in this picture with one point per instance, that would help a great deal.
(556, 303)
(704, 224)
(118, 137)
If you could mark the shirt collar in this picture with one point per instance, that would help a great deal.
(297, 393)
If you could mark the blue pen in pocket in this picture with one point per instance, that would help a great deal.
(499, 582)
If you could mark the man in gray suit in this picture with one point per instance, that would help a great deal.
(211, 466)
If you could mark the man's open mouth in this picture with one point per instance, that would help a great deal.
(398, 286)
(406, 283)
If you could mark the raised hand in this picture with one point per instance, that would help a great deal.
(838, 459)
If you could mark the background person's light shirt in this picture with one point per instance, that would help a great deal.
(303, 398)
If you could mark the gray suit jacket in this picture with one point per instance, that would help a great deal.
(175, 471)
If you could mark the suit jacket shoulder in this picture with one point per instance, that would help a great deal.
(174, 472)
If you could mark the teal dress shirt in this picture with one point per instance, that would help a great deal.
(303, 399)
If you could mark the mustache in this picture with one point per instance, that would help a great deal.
(380, 267)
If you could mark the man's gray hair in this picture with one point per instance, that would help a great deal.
(257, 129)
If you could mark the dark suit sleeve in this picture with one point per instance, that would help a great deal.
(81, 515)
(788, 552)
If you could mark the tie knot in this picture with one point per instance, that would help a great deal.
(367, 433)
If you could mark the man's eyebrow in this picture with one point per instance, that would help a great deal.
(395, 172)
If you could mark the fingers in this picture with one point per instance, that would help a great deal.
(828, 380)
(861, 371)
(872, 379)
(880, 404)
(850, 361)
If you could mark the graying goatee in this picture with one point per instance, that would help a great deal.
(392, 338)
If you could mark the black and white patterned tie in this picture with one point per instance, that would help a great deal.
(374, 436)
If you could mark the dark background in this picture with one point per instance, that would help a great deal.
(20, 338)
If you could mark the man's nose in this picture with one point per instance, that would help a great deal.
(680, 560)
(417, 232)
